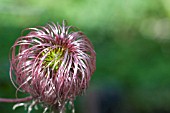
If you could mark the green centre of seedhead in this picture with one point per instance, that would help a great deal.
(53, 57)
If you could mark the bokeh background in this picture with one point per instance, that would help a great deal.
(132, 43)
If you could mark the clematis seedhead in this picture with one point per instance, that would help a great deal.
(52, 63)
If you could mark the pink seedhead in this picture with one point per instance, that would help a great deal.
(53, 64)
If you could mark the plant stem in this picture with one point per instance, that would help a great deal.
(16, 100)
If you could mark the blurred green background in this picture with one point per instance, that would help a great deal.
(132, 43)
